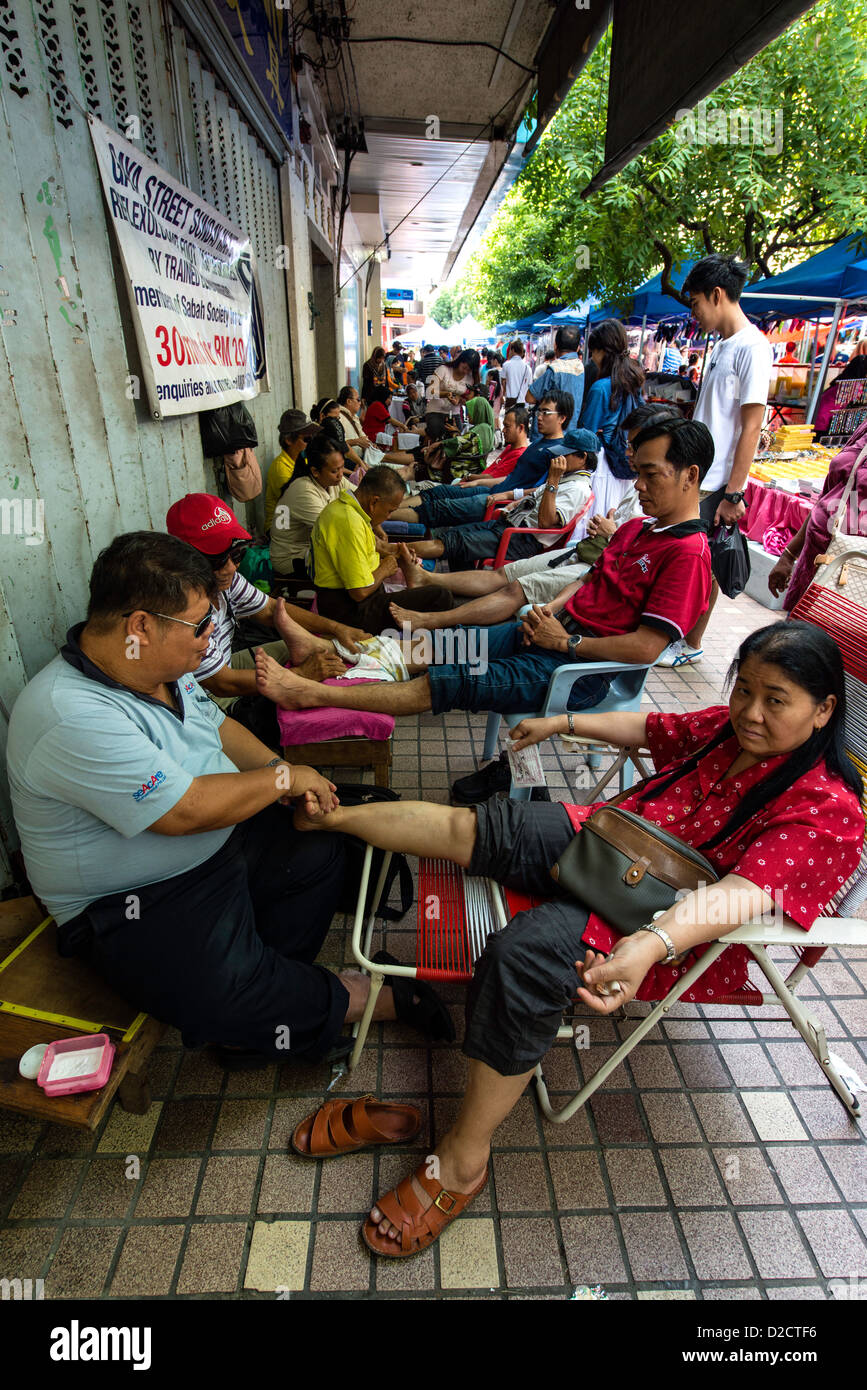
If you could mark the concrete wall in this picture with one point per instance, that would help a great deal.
(79, 443)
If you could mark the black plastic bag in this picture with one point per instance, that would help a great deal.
(400, 874)
(730, 560)
(226, 430)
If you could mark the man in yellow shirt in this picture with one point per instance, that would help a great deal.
(348, 572)
(295, 430)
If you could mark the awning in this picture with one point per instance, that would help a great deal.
(665, 58)
(648, 302)
(816, 286)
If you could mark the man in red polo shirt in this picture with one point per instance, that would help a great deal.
(647, 588)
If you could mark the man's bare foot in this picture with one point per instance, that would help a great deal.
(455, 1173)
(282, 686)
(299, 644)
(407, 615)
(411, 566)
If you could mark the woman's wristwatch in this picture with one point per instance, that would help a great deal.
(671, 949)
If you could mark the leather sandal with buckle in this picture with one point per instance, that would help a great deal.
(345, 1126)
(419, 1226)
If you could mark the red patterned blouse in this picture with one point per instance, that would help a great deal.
(800, 848)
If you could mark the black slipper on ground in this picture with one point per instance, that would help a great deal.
(486, 782)
(430, 1015)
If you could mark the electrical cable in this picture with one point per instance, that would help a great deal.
(436, 181)
(450, 43)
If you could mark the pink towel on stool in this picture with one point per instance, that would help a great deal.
(317, 725)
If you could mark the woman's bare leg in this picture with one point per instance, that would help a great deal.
(463, 1153)
(414, 827)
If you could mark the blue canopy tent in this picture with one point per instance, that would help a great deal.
(823, 285)
(648, 303)
(816, 286)
(528, 323)
(574, 315)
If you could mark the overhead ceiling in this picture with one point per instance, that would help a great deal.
(467, 96)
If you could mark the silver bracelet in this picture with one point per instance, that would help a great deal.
(671, 949)
(571, 720)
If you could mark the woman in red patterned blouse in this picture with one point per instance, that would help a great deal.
(762, 787)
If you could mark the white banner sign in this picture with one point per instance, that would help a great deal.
(191, 280)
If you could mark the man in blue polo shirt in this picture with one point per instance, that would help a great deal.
(154, 827)
(647, 588)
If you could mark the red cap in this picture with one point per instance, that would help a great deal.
(205, 523)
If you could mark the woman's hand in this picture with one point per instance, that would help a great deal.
(531, 731)
(627, 966)
(778, 579)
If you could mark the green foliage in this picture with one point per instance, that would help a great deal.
(450, 306)
(772, 201)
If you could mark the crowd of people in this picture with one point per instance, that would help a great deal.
(198, 870)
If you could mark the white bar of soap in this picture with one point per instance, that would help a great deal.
(30, 1063)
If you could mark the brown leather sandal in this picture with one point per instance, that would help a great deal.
(345, 1126)
(419, 1226)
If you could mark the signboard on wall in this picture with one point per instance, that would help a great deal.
(191, 280)
(260, 33)
(400, 294)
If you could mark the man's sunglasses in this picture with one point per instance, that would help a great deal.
(235, 553)
(199, 628)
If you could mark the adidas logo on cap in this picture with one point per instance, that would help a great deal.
(220, 516)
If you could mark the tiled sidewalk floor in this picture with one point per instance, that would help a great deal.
(716, 1165)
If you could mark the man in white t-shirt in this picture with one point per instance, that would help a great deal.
(732, 403)
(516, 375)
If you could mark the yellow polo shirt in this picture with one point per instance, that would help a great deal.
(344, 549)
(279, 474)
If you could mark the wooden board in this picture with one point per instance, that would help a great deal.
(18, 917)
(40, 979)
(83, 1111)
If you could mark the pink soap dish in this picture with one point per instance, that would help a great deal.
(76, 1064)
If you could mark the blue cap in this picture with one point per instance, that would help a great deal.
(574, 442)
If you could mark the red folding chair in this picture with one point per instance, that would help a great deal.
(563, 532)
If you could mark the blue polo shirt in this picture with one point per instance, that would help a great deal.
(531, 468)
(92, 765)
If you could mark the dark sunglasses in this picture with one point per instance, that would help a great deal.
(199, 628)
(235, 553)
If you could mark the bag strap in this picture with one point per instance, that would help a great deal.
(847, 492)
(633, 791)
(400, 870)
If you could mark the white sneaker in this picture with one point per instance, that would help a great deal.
(671, 655)
(688, 655)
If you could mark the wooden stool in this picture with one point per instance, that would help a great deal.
(45, 997)
(345, 752)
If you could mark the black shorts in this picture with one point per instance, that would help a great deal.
(526, 974)
(225, 952)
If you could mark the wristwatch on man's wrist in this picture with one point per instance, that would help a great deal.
(733, 497)
(552, 487)
(573, 644)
